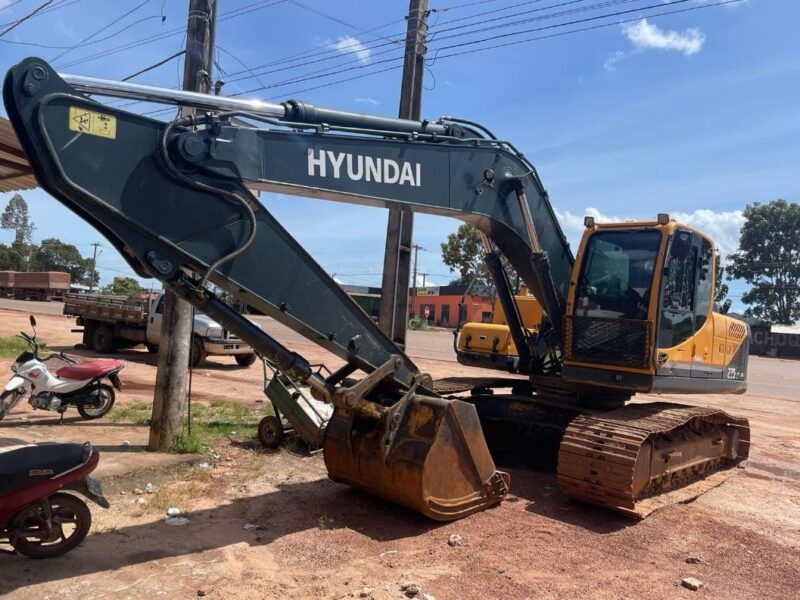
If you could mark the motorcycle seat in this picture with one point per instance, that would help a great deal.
(25, 466)
(90, 370)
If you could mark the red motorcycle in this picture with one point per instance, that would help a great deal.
(36, 517)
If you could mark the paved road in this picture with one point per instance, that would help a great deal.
(777, 378)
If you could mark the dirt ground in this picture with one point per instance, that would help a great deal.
(308, 537)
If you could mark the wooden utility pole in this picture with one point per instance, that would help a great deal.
(393, 312)
(176, 327)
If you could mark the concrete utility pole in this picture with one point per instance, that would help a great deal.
(176, 326)
(393, 314)
(94, 264)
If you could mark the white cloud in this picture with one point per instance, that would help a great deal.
(4, 4)
(347, 44)
(644, 34)
(610, 63)
(722, 227)
(368, 100)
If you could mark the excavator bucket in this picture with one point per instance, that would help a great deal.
(430, 456)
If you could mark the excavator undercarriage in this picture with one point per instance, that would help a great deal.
(176, 201)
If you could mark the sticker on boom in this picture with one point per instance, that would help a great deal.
(93, 123)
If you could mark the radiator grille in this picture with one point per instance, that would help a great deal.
(610, 341)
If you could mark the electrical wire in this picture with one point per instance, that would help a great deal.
(580, 30)
(327, 47)
(84, 41)
(155, 65)
(492, 46)
(58, 5)
(30, 15)
(336, 52)
(238, 12)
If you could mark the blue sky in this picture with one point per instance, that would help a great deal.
(695, 114)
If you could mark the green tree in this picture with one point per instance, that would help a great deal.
(9, 259)
(123, 286)
(721, 289)
(769, 260)
(463, 254)
(15, 217)
(55, 255)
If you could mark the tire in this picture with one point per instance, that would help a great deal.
(245, 360)
(67, 510)
(8, 400)
(270, 432)
(151, 348)
(199, 353)
(103, 339)
(90, 412)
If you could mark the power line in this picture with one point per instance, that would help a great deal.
(237, 12)
(327, 72)
(360, 47)
(99, 31)
(58, 5)
(155, 65)
(580, 30)
(495, 46)
(30, 15)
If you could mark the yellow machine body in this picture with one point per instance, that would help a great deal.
(669, 338)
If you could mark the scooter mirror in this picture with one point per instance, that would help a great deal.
(33, 321)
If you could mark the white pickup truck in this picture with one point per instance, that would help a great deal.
(112, 323)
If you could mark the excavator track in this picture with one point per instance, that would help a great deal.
(641, 457)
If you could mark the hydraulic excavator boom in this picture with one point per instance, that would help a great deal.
(175, 200)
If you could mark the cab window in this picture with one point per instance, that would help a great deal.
(617, 274)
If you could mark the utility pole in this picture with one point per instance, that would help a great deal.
(176, 327)
(416, 248)
(393, 314)
(94, 264)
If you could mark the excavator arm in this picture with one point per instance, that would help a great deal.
(175, 199)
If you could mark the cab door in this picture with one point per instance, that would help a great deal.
(677, 316)
(154, 318)
(703, 341)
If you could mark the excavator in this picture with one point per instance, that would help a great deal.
(630, 313)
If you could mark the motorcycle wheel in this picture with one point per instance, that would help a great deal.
(89, 412)
(8, 400)
(71, 523)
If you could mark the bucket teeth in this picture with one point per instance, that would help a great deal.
(642, 457)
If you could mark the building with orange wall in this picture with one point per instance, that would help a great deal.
(447, 303)
(443, 303)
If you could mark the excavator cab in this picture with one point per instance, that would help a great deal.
(640, 313)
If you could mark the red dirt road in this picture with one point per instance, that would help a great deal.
(319, 539)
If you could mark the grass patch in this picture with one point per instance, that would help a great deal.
(138, 413)
(210, 422)
(215, 420)
(11, 346)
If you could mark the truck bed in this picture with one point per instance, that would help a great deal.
(106, 308)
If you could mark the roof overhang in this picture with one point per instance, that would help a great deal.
(15, 172)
